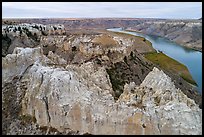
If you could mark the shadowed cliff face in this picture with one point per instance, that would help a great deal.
(133, 68)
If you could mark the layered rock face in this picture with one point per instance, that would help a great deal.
(188, 34)
(81, 98)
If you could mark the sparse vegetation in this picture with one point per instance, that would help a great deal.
(6, 38)
(54, 28)
(50, 129)
(36, 27)
(29, 34)
(19, 28)
(116, 81)
(131, 69)
(28, 119)
(15, 29)
(6, 42)
(74, 48)
(44, 33)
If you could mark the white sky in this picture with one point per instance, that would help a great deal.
(181, 10)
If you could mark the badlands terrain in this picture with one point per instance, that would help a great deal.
(185, 32)
(68, 76)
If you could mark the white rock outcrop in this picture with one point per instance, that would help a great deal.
(16, 64)
(174, 112)
(81, 98)
(34, 28)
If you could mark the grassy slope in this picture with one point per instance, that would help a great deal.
(171, 65)
(133, 36)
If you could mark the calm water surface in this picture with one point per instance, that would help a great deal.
(190, 58)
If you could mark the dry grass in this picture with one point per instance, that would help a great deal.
(105, 40)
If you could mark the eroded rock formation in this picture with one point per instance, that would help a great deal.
(92, 83)
(81, 98)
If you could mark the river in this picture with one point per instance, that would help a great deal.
(190, 58)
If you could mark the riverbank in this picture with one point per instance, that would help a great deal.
(169, 64)
(186, 45)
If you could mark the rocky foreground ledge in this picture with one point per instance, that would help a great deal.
(59, 98)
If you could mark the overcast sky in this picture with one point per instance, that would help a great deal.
(182, 10)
